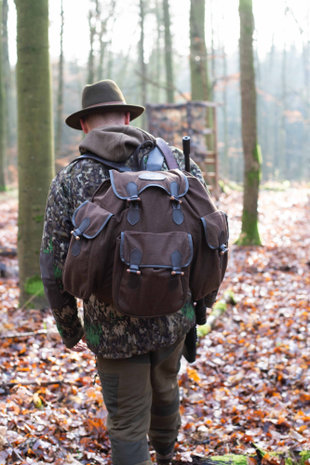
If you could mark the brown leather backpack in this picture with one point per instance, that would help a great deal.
(145, 241)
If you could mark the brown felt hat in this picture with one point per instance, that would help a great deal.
(102, 95)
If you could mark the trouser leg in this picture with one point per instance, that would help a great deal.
(165, 415)
(127, 395)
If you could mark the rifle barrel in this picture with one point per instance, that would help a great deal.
(186, 151)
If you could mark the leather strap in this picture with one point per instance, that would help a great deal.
(167, 152)
(154, 162)
(107, 163)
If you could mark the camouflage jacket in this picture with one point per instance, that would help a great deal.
(107, 332)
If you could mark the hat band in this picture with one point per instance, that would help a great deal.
(115, 102)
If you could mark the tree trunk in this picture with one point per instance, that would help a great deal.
(104, 17)
(9, 100)
(251, 151)
(213, 54)
(143, 77)
(226, 167)
(198, 52)
(156, 67)
(91, 54)
(168, 54)
(2, 111)
(283, 158)
(59, 108)
(35, 141)
(102, 45)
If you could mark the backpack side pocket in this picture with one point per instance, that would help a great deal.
(87, 265)
(212, 255)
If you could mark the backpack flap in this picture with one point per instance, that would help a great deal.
(151, 272)
(215, 228)
(89, 220)
(83, 270)
(211, 261)
(128, 186)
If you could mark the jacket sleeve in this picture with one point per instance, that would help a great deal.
(54, 248)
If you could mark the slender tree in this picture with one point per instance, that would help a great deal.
(143, 73)
(105, 17)
(198, 52)
(35, 140)
(251, 151)
(9, 140)
(213, 53)
(2, 109)
(59, 108)
(283, 160)
(92, 36)
(102, 46)
(306, 96)
(168, 53)
(226, 168)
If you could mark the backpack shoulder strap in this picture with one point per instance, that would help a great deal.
(107, 163)
(167, 152)
(155, 160)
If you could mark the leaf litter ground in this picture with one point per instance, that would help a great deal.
(247, 389)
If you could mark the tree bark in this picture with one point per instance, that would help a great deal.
(198, 52)
(59, 108)
(168, 53)
(35, 141)
(251, 150)
(2, 110)
(142, 63)
(91, 54)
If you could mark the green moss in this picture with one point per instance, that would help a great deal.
(220, 305)
(39, 218)
(249, 234)
(257, 154)
(203, 330)
(229, 297)
(253, 176)
(231, 459)
(276, 186)
(304, 455)
(222, 186)
(34, 286)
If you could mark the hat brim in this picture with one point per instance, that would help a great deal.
(74, 120)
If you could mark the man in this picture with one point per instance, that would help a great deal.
(137, 359)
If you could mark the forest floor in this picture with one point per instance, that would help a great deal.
(248, 389)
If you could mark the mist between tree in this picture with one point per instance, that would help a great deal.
(282, 77)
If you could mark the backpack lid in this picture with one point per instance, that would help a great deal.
(130, 185)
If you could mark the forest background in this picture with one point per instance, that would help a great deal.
(105, 44)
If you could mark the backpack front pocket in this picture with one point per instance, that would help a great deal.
(151, 272)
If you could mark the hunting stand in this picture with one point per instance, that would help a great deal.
(194, 119)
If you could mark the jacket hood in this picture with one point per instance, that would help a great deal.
(114, 143)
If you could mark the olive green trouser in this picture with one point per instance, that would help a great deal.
(142, 398)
